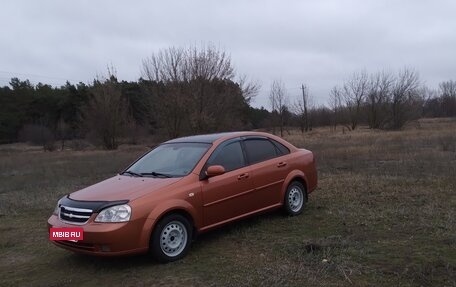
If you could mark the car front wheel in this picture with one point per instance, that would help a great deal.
(171, 238)
(295, 198)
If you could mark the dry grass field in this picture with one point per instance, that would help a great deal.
(384, 215)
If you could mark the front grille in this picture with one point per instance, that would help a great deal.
(74, 215)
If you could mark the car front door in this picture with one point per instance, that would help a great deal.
(228, 195)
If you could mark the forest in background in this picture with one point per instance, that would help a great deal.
(185, 91)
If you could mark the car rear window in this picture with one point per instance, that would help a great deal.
(281, 148)
(259, 150)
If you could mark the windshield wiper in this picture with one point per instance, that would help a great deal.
(132, 173)
(154, 173)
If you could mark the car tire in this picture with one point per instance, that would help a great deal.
(171, 238)
(295, 198)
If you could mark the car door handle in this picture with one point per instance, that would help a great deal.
(281, 164)
(242, 176)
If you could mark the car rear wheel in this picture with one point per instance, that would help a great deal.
(295, 198)
(171, 238)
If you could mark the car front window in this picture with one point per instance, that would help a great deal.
(230, 157)
(170, 160)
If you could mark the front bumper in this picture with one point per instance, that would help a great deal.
(106, 239)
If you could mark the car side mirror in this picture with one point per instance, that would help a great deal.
(215, 170)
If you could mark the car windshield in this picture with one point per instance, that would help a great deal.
(169, 160)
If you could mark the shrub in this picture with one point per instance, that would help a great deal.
(448, 143)
(78, 144)
(37, 135)
(50, 146)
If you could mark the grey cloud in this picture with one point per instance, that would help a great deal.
(315, 42)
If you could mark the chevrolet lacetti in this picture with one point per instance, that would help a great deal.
(183, 187)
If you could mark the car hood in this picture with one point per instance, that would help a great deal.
(122, 187)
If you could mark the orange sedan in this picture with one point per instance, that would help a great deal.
(183, 187)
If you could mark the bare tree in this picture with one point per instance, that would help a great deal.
(192, 72)
(335, 102)
(403, 96)
(205, 65)
(106, 112)
(354, 91)
(166, 66)
(249, 89)
(378, 96)
(179, 64)
(447, 91)
(388, 100)
(278, 99)
(208, 63)
(302, 107)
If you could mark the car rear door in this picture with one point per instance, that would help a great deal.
(228, 195)
(269, 168)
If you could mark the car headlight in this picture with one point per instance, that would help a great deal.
(118, 213)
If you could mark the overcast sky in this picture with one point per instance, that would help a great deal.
(318, 43)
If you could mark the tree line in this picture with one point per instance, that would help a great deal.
(381, 100)
(182, 91)
(193, 90)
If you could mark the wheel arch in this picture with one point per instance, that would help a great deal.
(159, 212)
(179, 211)
(303, 182)
(295, 175)
(176, 209)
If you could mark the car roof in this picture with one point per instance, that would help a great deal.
(210, 138)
